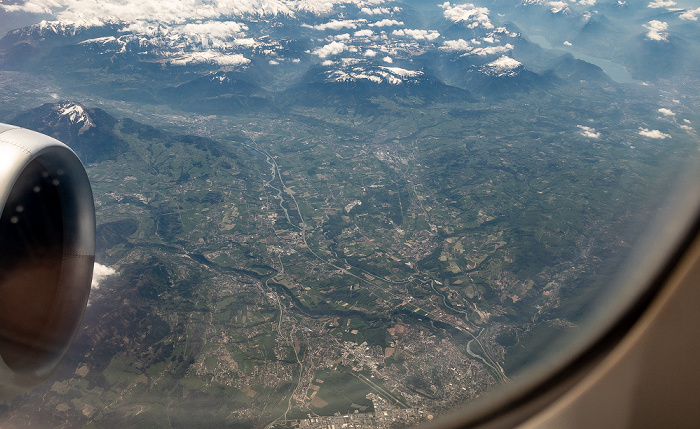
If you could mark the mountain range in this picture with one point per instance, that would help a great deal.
(246, 61)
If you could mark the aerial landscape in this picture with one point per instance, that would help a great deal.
(345, 213)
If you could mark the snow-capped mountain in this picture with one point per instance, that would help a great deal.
(77, 126)
(136, 52)
(283, 35)
(341, 85)
(75, 115)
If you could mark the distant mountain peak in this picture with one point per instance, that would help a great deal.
(378, 75)
(75, 114)
(503, 66)
(65, 29)
(89, 132)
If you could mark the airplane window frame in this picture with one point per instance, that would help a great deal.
(651, 264)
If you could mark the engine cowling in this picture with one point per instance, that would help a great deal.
(47, 254)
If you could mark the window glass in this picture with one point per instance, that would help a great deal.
(336, 212)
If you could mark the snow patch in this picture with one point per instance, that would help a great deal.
(403, 73)
(75, 114)
(210, 57)
(504, 66)
(391, 75)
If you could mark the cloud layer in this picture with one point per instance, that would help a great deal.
(80, 11)
(657, 30)
(472, 16)
(99, 273)
(235, 34)
(661, 3)
(690, 15)
(653, 134)
(589, 132)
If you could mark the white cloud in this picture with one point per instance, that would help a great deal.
(661, 3)
(192, 31)
(567, 43)
(402, 72)
(462, 45)
(333, 48)
(229, 59)
(491, 50)
(589, 132)
(558, 6)
(273, 62)
(29, 7)
(213, 28)
(364, 33)
(99, 273)
(504, 63)
(654, 134)
(345, 62)
(216, 34)
(148, 28)
(338, 24)
(246, 42)
(376, 10)
(370, 53)
(210, 57)
(456, 45)
(417, 34)
(385, 23)
(468, 13)
(687, 127)
(657, 30)
(388, 60)
(690, 15)
(504, 30)
(666, 112)
(77, 11)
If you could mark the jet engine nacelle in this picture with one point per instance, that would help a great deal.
(47, 253)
